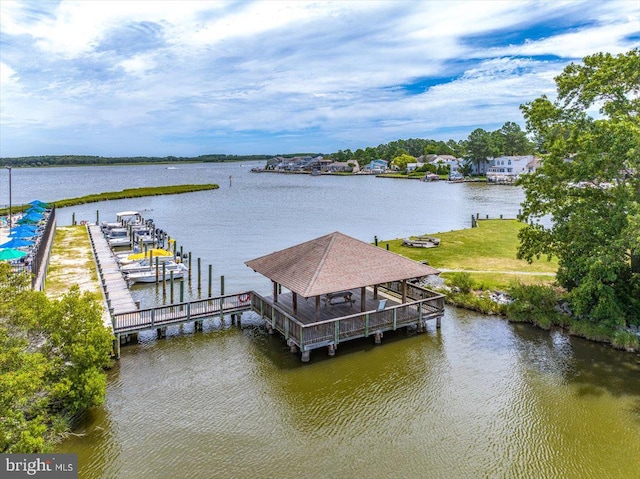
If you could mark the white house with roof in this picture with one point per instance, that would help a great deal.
(443, 160)
(507, 169)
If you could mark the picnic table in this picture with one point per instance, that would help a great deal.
(339, 297)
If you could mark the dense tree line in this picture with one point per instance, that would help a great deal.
(87, 160)
(589, 185)
(52, 359)
(480, 144)
(510, 139)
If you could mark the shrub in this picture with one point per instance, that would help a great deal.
(535, 303)
(624, 339)
(463, 281)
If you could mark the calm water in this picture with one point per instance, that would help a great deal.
(478, 398)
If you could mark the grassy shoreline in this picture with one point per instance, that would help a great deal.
(124, 194)
(481, 262)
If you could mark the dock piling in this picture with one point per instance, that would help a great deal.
(164, 281)
(210, 280)
(199, 277)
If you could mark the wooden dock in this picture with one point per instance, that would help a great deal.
(361, 314)
(338, 323)
(115, 290)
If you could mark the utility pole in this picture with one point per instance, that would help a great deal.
(10, 212)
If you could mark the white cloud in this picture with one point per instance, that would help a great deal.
(7, 75)
(328, 73)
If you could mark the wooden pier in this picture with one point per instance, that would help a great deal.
(322, 321)
(115, 290)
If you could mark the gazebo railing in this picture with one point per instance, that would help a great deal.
(335, 330)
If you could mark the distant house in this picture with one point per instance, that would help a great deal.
(316, 163)
(442, 160)
(273, 163)
(507, 169)
(341, 166)
(376, 167)
(414, 166)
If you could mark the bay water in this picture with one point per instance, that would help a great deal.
(480, 397)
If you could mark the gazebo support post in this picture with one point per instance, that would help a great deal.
(363, 299)
(295, 303)
(317, 311)
(404, 291)
(306, 356)
(375, 291)
(275, 292)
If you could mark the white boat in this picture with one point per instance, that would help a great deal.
(179, 270)
(118, 237)
(145, 265)
(123, 219)
(431, 177)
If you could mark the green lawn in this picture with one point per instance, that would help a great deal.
(490, 250)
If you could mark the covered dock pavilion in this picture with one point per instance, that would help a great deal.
(341, 288)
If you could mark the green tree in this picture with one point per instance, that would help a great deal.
(52, 359)
(401, 161)
(480, 145)
(589, 185)
(512, 140)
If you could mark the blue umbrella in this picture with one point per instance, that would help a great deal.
(24, 228)
(31, 218)
(35, 209)
(38, 203)
(23, 234)
(27, 219)
(9, 254)
(17, 243)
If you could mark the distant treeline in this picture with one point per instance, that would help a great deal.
(87, 160)
(510, 139)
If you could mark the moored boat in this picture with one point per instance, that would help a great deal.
(178, 270)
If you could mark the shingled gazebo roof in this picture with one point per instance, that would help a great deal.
(335, 262)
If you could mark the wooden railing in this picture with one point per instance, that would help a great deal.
(306, 336)
(333, 331)
(180, 312)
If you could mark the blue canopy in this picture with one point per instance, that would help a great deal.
(28, 219)
(35, 209)
(38, 203)
(9, 254)
(24, 228)
(17, 243)
(23, 234)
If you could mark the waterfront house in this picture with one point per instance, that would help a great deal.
(343, 167)
(507, 169)
(414, 166)
(376, 167)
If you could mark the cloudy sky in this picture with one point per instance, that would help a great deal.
(183, 78)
